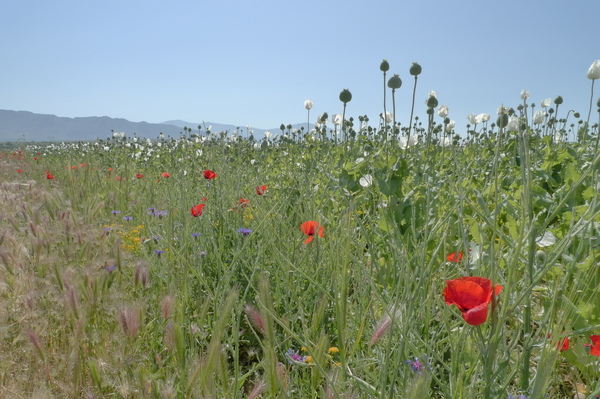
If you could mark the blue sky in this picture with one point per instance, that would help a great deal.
(255, 62)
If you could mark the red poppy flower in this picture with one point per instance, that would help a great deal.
(49, 176)
(244, 202)
(139, 175)
(19, 170)
(310, 229)
(260, 190)
(455, 257)
(209, 174)
(595, 347)
(472, 296)
(35, 158)
(83, 165)
(196, 210)
(563, 345)
(166, 175)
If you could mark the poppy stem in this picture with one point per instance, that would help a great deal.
(587, 123)
(412, 109)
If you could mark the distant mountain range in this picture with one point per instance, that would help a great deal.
(28, 126)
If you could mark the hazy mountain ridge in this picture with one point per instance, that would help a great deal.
(29, 126)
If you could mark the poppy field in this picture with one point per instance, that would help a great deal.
(355, 260)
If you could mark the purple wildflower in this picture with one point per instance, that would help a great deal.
(127, 218)
(115, 212)
(110, 268)
(295, 357)
(195, 235)
(416, 365)
(159, 252)
(244, 231)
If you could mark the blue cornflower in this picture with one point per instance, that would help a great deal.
(109, 269)
(127, 218)
(416, 365)
(294, 356)
(245, 231)
(116, 212)
(195, 235)
(159, 252)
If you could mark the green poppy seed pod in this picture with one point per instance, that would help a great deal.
(394, 82)
(282, 127)
(432, 102)
(502, 120)
(345, 96)
(415, 69)
(558, 100)
(384, 66)
(576, 115)
(325, 117)
(598, 102)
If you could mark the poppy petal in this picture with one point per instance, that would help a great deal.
(476, 316)
(321, 231)
(309, 239)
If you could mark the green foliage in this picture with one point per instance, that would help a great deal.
(215, 314)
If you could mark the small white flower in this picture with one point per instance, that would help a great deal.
(594, 71)
(524, 94)
(450, 126)
(546, 103)
(546, 240)
(388, 117)
(446, 141)
(366, 180)
(308, 104)
(513, 124)
(404, 143)
(106, 148)
(268, 134)
(336, 119)
(359, 160)
(539, 116)
(472, 118)
(443, 111)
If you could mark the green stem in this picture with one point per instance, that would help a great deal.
(587, 124)
(412, 108)
(384, 109)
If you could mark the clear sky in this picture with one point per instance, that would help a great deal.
(255, 62)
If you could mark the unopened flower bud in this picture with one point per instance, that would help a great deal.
(384, 66)
(415, 69)
(395, 82)
(345, 96)
(502, 120)
(558, 100)
(576, 115)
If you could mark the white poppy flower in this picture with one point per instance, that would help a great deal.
(366, 180)
(546, 103)
(539, 116)
(546, 240)
(443, 111)
(594, 71)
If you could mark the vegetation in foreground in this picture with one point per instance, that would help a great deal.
(354, 263)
